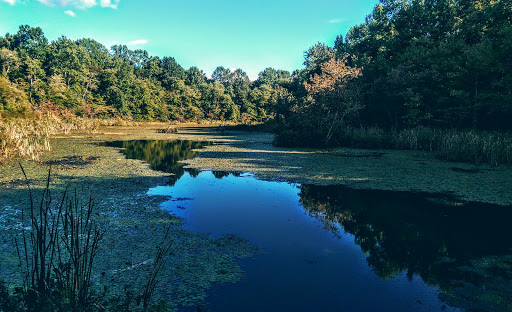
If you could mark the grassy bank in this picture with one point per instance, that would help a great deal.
(476, 147)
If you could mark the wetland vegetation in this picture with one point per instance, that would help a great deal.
(431, 75)
(386, 173)
(434, 255)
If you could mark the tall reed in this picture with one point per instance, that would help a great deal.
(479, 147)
(29, 137)
(56, 252)
(164, 250)
(57, 249)
(493, 148)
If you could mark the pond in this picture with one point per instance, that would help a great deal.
(331, 248)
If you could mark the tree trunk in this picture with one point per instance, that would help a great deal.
(475, 104)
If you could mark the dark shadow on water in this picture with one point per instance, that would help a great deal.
(70, 162)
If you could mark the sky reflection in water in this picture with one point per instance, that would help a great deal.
(331, 248)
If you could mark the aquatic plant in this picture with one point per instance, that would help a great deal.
(56, 250)
(493, 148)
(478, 147)
(164, 249)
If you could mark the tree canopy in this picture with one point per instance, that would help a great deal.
(435, 63)
(86, 78)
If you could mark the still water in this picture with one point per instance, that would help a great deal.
(331, 248)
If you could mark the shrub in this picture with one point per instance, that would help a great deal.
(169, 129)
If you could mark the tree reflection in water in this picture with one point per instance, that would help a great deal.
(465, 248)
(162, 155)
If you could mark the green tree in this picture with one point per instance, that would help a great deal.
(30, 40)
(222, 75)
(195, 76)
(317, 55)
(170, 69)
(9, 62)
(13, 101)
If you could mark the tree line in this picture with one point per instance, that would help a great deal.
(442, 64)
(85, 78)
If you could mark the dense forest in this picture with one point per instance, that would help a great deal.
(436, 63)
(84, 77)
(420, 64)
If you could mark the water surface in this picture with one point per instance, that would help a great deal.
(331, 248)
(160, 154)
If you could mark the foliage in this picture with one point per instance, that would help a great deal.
(414, 69)
(333, 95)
(441, 65)
(90, 80)
(13, 101)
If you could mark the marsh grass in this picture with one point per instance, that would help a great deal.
(29, 136)
(23, 137)
(477, 147)
(56, 251)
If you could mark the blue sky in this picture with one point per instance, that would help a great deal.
(251, 35)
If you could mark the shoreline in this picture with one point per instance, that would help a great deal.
(119, 187)
(237, 151)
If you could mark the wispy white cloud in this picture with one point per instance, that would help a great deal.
(138, 42)
(86, 3)
(337, 20)
(11, 2)
(70, 13)
(109, 4)
(78, 4)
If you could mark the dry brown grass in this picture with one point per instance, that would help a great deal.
(116, 122)
(29, 137)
